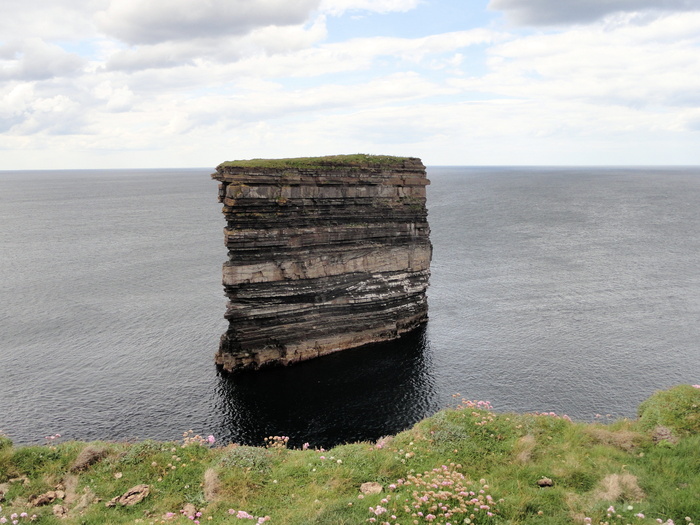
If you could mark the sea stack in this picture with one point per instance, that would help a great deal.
(324, 254)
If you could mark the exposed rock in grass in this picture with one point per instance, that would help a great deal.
(371, 487)
(619, 487)
(545, 482)
(24, 480)
(46, 498)
(131, 497)
(88, 456)
(60, 511)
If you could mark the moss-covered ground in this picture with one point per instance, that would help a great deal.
(466, 464)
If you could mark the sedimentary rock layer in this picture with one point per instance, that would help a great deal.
(325, 254)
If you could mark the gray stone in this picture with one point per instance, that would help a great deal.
(131, 497)
(321, 258)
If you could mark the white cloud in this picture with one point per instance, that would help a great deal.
(334, 63)
(34, 59)
(139, 22)
(67, 20)
(262, 41)
(555, 12)
(117, 98)
(243, 78)
(361, 54)
(338, 7)
(27, 113)
(629, 66)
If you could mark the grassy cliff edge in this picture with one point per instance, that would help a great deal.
(466, 464)
(358, 160)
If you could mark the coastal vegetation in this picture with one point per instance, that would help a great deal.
(466, 464)
(356, 160)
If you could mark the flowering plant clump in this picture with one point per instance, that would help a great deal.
(439, 496)
(243, 515)
(383, 442)
(16, 519)
(554, 415)
(276, 442)
(482, 411)
(190, 515)
(52, 438)
(626, 514)
(189, 438)
(478, 405)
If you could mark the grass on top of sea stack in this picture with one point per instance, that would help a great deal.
(359, 160)
(466, 464)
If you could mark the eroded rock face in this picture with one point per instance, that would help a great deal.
(325, 254)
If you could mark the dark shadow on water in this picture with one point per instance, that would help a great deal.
(354, 395)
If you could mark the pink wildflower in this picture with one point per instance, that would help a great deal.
(211, 439)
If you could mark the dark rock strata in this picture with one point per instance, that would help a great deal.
(325, 254)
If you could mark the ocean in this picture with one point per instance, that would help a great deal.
(573, 290)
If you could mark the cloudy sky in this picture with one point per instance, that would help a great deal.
(189, 83)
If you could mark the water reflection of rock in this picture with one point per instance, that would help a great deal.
(356, 395)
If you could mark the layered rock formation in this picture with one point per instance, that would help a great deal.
(325, 254)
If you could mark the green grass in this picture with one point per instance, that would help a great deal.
(331, 161)
(611, 473)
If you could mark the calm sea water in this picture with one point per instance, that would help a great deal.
(572, 290)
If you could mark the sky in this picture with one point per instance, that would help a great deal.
(88, 84)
